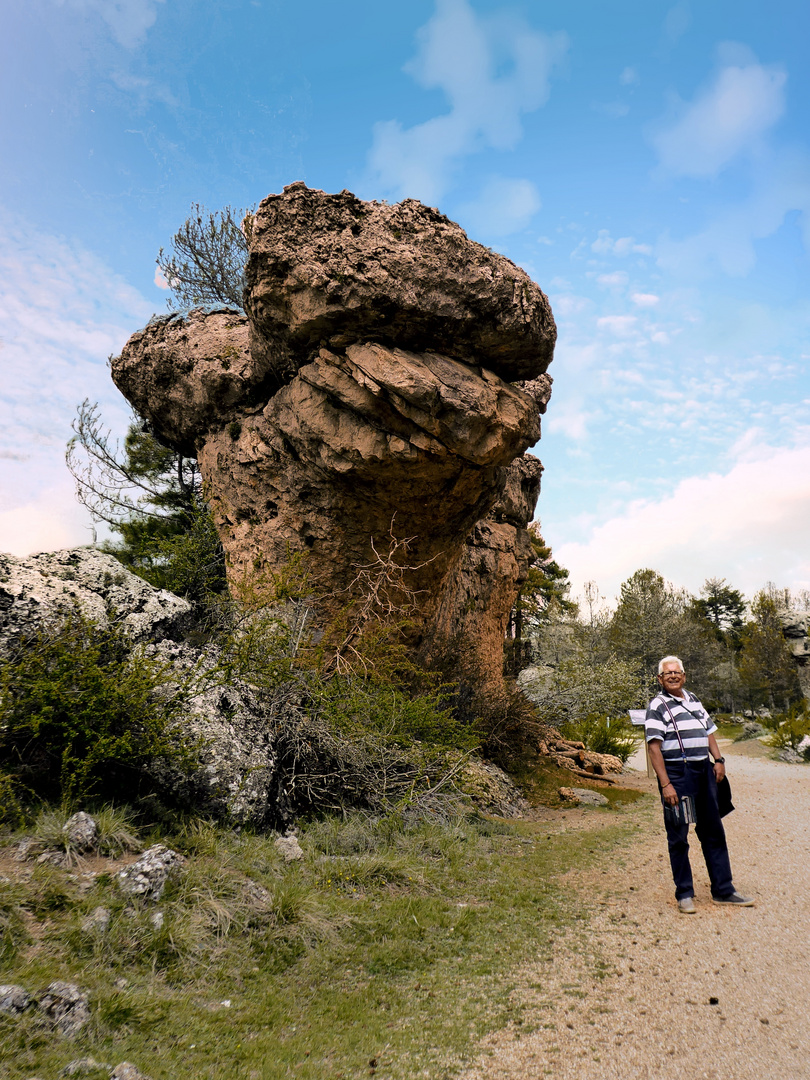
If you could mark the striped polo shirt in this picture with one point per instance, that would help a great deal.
(694, 726)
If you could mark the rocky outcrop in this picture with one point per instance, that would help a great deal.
(41, 589)
(237, 778)
(795, 625)
(384, 386)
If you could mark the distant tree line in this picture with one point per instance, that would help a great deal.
(735, 654)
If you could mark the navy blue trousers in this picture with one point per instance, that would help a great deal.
(697, 779)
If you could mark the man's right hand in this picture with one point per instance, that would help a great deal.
(670, 795)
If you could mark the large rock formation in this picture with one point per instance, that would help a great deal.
(387, 379)
(796, 628)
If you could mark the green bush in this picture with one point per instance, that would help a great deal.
(789, 729)
(604, 734)
(80, 710)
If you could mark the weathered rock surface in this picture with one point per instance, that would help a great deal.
(85, 1066)
(289, 847)
(795, 625)
(14, 1000)
(334, 269)
(188, 372)
(127, 1071)
(81, 831)
(40, 589)
(238, 777)
(387, 380)
(98, 921)
(147, 877)
(491, 789)
(66, 1006)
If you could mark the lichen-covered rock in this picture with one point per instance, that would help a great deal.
(237, 779)
(38, 590)
(81, 831)
(146, 878)
(491, 789)
(586, 797)
(14, 1000)
(66, 1006)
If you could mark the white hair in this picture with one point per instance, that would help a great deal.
(669, 660)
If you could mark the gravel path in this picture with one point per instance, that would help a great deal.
(722, 995)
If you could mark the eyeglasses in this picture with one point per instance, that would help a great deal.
(670, 674)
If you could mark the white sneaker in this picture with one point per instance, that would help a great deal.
(686, 905)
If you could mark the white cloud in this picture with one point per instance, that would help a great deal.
(51, 521)
(503, 207)
(615, 280)
(604, 244)
(570, 419)
(62, 312)
(619, 325)
(678, 21)
(492, 69)
(160, 279)
(645, 300)
(727, 119)
(628, 76)
(749, 525)
(782, 186)
(128, 20)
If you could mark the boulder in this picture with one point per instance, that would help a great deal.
(376, 401)
(66, 1006)
(586, 797)
(127, 1071)
(38, 590)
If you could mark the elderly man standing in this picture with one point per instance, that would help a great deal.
(680, 736)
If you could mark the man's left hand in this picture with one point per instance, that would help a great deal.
(719, 771)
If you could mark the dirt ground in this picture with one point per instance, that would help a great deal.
(643, 993)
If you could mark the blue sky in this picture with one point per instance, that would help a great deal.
(648, 164)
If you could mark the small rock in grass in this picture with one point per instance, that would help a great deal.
(98, 919)
(84, 1065)
(127, 1071)
(66, 1006)
(14, 1000)
(81, 831)
(590, 798)
(148, 876)
(289, 848)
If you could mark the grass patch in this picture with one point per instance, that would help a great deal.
(391, 941)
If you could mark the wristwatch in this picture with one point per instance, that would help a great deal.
(719, 761)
